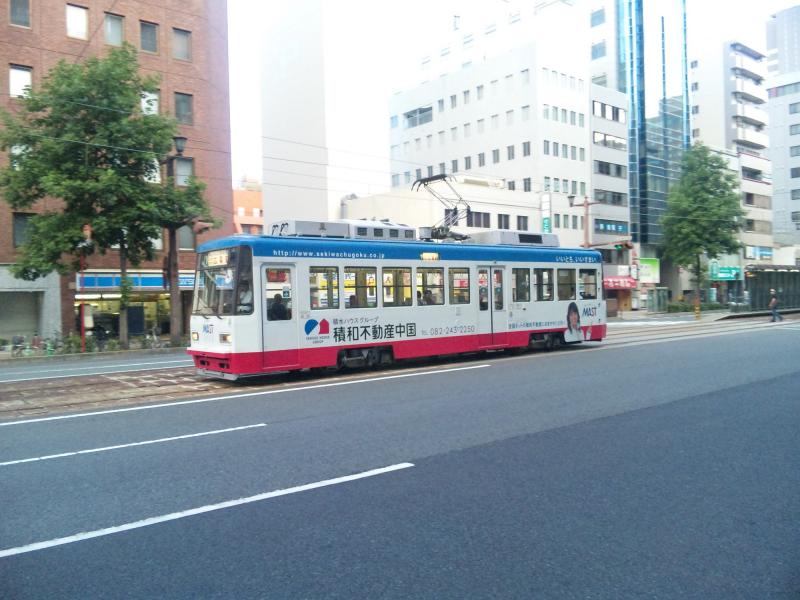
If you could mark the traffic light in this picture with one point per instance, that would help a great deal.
(624, 246)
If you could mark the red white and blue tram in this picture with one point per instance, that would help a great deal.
(280, 303)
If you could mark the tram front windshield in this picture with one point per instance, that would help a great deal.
(223, 285)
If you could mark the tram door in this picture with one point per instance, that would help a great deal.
(279, 322)
(492, 311)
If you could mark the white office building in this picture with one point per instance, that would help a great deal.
(783, 55)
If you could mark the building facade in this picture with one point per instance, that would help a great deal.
(185, 44)
(783, 55)
(728, 101)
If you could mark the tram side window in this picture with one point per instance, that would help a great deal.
(566, 284)
(323, 287)
(397, 286)
(360, 287)
(278, 293)
(587, 283)
(430, 286)
(459, 286)
(543, 279)
(244, 284)
(520, 285)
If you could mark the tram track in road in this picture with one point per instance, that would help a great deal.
(31, 398)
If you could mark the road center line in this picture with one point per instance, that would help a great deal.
(145, 443)
(247, 395)
(86, 535)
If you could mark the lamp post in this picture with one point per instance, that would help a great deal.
(172, 273)
(87, 232)
(586, 205)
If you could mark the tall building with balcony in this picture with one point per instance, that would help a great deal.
(728, 114)
(185, 44)
(783, 54)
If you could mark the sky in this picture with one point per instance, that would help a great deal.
(415, 27)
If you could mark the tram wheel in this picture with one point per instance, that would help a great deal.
(373, 358)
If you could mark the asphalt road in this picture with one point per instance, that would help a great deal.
(656, 469)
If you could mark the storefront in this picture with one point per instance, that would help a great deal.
(148, 306)
(726, 283)
(618, 291)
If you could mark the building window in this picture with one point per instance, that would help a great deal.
(580, 120)
(467, 163)
(526, 113)
(555, 149)
(481, 125)
(522, 222)
(509, 117)
(186, 239)
(557, 221)
(441, 138)
(598, 50)
(573, 152)
(503, 221)
(796, 194)
(510, 152)
(21, 228)
(546, 184)
(574, 221)
(467, 130)
(794, 172)
(418, 116)
(495, 121)
(478, 219)
(184, 169)
(453, 101)
(481, 159)
(430, 170)
(418, 173)
(526, 148)
(441, 104)
(20, 13)
(454, 166)
(695, 110)
(563, 115)
(407, 176)
(512, 185)
(610, 227)
(184, 112)
(148, 34)
(441, 169)
(582, 153)
(598, 17)
(395, 179)
(583, 188)
(794, 108)
(546, 147)
(611, 169)
(794, 129)
(695, 86)
(19, 80)
(496, 155)
(393, 121)
(695, 133)
(609, 197)
(114, 27)
(150, 103)
(466, 96)
(77, 21)
(556, 184)
(479, 91)
(181, 44)
(453, 133)
(545, 111)
(693, 64)
(794, 151)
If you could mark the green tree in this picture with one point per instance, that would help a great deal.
(85, 140)
(703, 213)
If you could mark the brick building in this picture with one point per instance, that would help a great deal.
(185, 43)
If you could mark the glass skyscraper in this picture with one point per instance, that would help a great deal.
(656, 80)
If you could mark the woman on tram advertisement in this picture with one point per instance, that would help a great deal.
(573, 332)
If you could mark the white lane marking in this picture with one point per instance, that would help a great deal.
(232, 396)
(101, 366)
(616, 324)
(145, 443)
(86, 535)
(157, 368)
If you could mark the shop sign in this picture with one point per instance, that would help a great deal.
(649, 270)
(726, 274)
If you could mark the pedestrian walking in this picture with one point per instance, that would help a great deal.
(773, 306)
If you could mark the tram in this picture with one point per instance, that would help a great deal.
(357, 293)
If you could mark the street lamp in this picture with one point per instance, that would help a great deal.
(586, 205)
(171, 271)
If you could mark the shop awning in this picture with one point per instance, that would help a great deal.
(619, 283)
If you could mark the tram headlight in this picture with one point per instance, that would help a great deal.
(195, 336)
(225, 338)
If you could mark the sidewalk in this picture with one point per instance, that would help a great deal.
(706, 315)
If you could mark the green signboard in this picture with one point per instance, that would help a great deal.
(726, 274)
(649, 270)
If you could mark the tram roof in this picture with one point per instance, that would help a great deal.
(337, 248)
